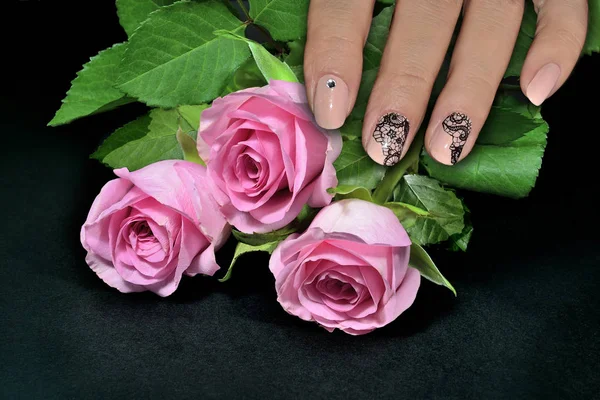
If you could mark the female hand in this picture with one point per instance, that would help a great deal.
(419, 36)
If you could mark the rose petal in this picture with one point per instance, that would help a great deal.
(276, 107)
(372, 223)
(318, 308)
(311, 148)
(387, 313)
(205, 263)
(105, 271)
(320, 197)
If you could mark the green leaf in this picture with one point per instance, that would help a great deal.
(364, 92)
(93, 90)
(270, 66)
(128, 148)
(421, 261)
(301, 222)
(299, 72)
(246, 76)
(460, 241)
(133, 12)
(445, 212)
(295, 58)
(352, 130)
(284, 19)
(355, 168)
(259, 239)
(351, 192)
(378, 34)
(191, 114)
(506, 163)
(407, 214)
(188, 147)
(372, 54)
(524, 40)
(514, 104)
(128, 133)
(500, 126)
(592, 42)
(174, 58)
(296, 54)
(243, 248)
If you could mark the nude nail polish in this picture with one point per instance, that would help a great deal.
(449, 138)
(386, 144)
(543, 83)
(331, 102)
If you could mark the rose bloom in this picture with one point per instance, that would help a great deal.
(266, 156)
(349, 270)
(149, 227)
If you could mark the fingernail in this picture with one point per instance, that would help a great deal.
(449, 138)
(542, 83)
(386, 145)
(331, 102)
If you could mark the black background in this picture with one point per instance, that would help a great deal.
(525, 323)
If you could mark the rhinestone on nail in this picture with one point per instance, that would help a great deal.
(330, 83)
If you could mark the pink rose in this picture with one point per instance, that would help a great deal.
(266, 156)
(150, 226)
(349, 270)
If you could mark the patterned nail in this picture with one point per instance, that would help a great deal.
(458, 126)
(449, 138)
(389, 137)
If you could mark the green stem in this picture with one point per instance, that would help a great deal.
(384, 190)
(244, 10)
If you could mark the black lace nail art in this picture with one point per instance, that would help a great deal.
(391, 132)
(458, 126)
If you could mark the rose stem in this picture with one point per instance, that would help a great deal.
(392, 177)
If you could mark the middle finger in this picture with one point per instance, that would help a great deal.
(419, 37)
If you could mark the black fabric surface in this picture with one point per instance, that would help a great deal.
(524, 325)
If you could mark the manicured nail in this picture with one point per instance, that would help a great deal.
(389, 136)
(449, 138)
(331, 102)
(542, 83)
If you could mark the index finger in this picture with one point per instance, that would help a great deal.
(337, 31)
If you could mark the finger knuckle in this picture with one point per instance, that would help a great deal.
(410, 80)
(340, 53)
(442, 3)
(572, 37)
(337, 46)
(481, 85)
(504, 6)
(516, 5)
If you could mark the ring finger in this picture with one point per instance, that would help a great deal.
(480, 58)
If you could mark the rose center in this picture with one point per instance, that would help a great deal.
(142, 229)
(142, 240)
(252, 168)
(251, 173)
(336, 289)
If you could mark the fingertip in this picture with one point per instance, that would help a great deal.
(543, 83)
(557, 45)
(331, 102)
(387, 139)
